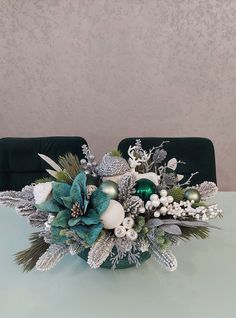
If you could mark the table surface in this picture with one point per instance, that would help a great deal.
(204, 285)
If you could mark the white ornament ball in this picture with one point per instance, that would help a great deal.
(148, 204)
(120, 231)
(164, 200)
(132, 235)
(141, 209)
(157, 214)
(163, 193)
(128, 223)
(170, 199)
(42, 191)
(163, 209)
(155, 203)
(154, 197)
(113, 215)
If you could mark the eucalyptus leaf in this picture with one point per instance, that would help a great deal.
(172, 229)
(154, 223)
(158, 222)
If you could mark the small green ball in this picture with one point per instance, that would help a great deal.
(145, 188)
(144, 230)
(110, 188)
(140, 220)
(192, 194)
(138, 228)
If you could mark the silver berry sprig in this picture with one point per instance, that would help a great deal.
(88, 163)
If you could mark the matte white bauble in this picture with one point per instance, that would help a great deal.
(170, 199)
(157, 214)
(154, 197)
(141, 209)
(164, 200)
(113, 215)
(156, 203)
(163, 193)
(42, 192)
(163, 209)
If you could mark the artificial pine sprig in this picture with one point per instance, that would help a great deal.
(29, 257)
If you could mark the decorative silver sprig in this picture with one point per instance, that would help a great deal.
(24, 204)
(88, 163)
(164, 257)
(100, 250)
(125, 248)
(207, 190)
(52, 256)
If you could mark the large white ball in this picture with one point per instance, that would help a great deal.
(113, 215)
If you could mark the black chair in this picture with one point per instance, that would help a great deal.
(19, 161)
(198, 153)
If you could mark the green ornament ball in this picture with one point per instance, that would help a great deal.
(192, 194)
(110, 188)
(145, 188)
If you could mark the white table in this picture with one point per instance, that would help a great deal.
(204, 285)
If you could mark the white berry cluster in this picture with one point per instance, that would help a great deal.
(165, 205)
(159, 205)
(203, 213)
(126, 229)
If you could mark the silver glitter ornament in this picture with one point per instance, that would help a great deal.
(112, 166)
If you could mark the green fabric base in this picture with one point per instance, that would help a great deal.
(124, 263)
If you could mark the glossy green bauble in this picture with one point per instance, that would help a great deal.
(192, 194)
(110, 188)
(145, 188)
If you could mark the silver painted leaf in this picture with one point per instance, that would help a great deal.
(171, 229)
(51, 257)
(100, 250)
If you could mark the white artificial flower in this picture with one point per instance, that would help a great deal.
(42, 192)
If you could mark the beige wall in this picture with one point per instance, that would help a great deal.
(111, 69)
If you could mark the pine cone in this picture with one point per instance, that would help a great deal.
(76, 210)
(132, 204)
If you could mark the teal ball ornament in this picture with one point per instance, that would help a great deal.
(110, 188)
(145, 188)
(192, 194)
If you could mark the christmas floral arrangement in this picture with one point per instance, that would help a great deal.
(115, 214)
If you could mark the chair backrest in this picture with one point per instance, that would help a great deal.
(198, 153)
(19, 161)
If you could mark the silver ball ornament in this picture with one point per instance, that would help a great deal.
(110, 188)
(192, 195)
